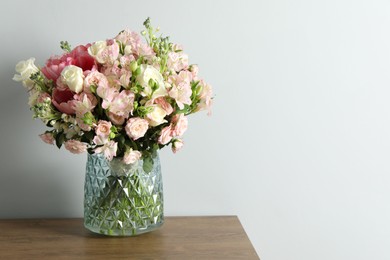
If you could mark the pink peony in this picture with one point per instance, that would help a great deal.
(131, 156)
(136, 127)
(63, 100)
(78, 56)
(180, 124)
(47, 138)
(75, 146)
(166, 135)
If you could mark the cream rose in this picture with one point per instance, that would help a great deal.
(96, 49)
(156, 117)
(25, 69)
(73, 77)
(148, 73)
(136, 127)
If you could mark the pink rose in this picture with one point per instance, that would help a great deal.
(47, 138)
(131, 156)
(103, 128)
(75, 146)
(177, 145)
(180, 124)
(165, 136)
(136, 127)
(63, 100)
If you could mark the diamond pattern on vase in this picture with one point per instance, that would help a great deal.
(122, 199)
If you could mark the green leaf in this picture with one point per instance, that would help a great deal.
(60, 139)
(148, 164)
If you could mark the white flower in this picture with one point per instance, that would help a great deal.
(25, 69)
(148, 73)
(96, 50)
(73, 77)
(156, 117)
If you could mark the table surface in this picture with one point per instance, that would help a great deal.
(216, 237)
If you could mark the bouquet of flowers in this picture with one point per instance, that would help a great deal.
(122, 97)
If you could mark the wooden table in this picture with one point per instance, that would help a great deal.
(179, 238)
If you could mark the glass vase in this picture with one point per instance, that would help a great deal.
(121, 199)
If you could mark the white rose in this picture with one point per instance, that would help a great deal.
(25, 69)
(156, 117)
(96, 49)
(148, 73)
(73, 77)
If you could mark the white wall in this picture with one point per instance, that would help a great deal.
(298, 145)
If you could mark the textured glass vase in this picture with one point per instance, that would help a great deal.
(120, 199)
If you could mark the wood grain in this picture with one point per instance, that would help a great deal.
(219, 237)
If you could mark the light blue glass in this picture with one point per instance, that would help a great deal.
(120, 199)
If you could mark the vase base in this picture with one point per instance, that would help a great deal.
(122, 232)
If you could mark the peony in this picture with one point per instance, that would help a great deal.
(131, 156)
(73, 77)
(78, 57)
(148, 74)
(136, 127)
(75, 146)
(63, 100)
(25, 70)
(47, 138)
